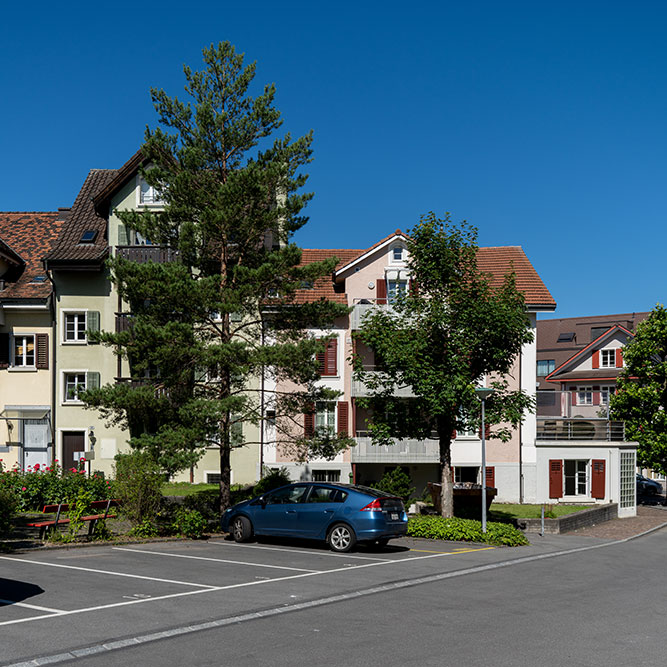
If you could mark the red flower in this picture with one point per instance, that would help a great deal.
(24, 489)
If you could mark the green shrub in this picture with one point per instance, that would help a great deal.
(466, 530)
(271, 480)
(145, 528)
(8, 506)
(397, 483)
(206, 503)
(189, 523)
(138, 484)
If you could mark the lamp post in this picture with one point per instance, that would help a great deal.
(482, 394)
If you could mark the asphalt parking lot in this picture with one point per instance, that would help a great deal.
(59, 605)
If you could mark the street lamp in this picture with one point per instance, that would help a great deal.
(482, 394)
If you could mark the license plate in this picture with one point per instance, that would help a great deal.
(394, 516)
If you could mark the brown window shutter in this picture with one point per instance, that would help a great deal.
(42, 345)
(619, 358)
(596, 359)
(490, 479)
(4, 350)
(343, 417)
(309, 424)
(381, 290)
(574, 397)
(555, 478)
(597, 478)
(414, 288)
(596, 396)
(321, 361)
(487, 431)
(331, 361)
(453, 434)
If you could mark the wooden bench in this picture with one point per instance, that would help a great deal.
(59, 508)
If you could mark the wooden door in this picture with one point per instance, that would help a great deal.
(73, 441)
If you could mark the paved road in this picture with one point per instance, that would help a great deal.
(562, 601)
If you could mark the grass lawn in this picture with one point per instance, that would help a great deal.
(505, 511)
(185, 488)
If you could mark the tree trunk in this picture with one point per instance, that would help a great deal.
(225, 478)
(446, 483)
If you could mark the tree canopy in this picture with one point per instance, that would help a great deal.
(641, 398)
(450, 330)
(205, 326)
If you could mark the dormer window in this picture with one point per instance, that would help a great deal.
(397, 254)
(607, 358)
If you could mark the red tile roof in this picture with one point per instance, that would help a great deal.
(84, 217)
(30, 236)
(324, 287)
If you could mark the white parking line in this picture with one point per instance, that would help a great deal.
(30, 606)
(113, 574)
(210, 589)
(215, 560)
(296, 551)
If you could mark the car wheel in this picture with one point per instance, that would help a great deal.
(241, 529)
(341, 538)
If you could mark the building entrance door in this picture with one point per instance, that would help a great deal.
(35, 442)
(73, 441)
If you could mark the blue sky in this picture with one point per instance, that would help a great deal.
(543, 124)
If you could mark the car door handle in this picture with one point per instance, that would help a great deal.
(328, 511)
(290, 511)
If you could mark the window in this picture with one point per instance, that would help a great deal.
(607, 358)
(24, 350)
(396, 289)
(397, 253)
(584, 395)
(545, 366)
(567, 337)
(326, 476)
(75, 327)
(88, 236)
(628, 484)
(596, 332)
(74, 383)
(605, 392)
(576, 477)
(466, 474)
(286, 496)
(149, 195)
(320, 494)
(325, 419)
(213, 477)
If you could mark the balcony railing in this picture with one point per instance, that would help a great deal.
(141, 254)
(577, 415)
(359, 388)
(361, 308)
(402, 451)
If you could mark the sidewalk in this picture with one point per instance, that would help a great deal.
(648, 517)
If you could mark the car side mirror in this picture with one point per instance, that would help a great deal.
(262, 501)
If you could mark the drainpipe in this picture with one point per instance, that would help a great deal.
(520, 440)
(54, 348)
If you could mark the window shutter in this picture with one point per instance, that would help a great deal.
(343, 418)
(596, 359)
(453, 437)
(92, 322)
(414, 288)
(332, 357)
(123, 238)
(309, 424)
(321, 361)
(574, 397)
(42, 345)
(596, 395)
(597, 478)
(555, 478)
(381, 290)
(92, 380)
(487, 431)
(619, 358)
(4, 350)
(490, 478)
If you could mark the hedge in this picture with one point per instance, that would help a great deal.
(465, 530)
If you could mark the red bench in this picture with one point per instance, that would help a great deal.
(59, 508)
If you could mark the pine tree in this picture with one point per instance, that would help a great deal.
(450, 330)
(222, 312)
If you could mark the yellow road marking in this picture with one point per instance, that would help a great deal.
(456, 551)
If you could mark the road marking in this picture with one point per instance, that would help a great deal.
(235, 545)
(113, 574)
(253, 616)
(453, 552)
(30, 606)
(215, 560)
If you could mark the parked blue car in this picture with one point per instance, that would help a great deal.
(341, 514)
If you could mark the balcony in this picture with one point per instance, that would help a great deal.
(141, 254)
(361, 308)
(577, 415)
(359, 388)
(401, 452)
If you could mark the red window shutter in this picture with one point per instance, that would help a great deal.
(381, 290)
(555, 478)
(309, 424)
(454, 434)
(596, 359)
(321, 362)
(487, 431)
(343, 417)
(42, 345)
(598, 478)
(331, 362)
(4, 350)
(619, 358)
(414, 288)
(490, 479)
(574, 397)
(596, 395)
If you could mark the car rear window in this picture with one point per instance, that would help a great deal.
(324, 494)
